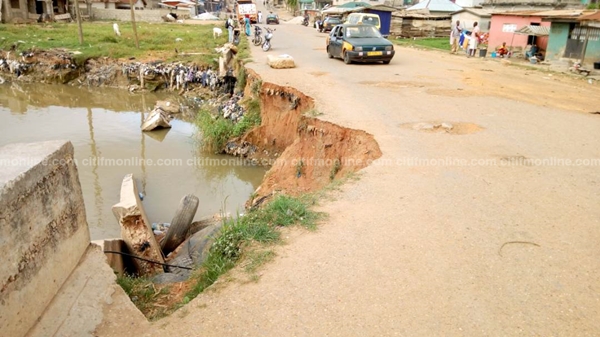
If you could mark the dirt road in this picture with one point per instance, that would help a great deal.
(450, 233)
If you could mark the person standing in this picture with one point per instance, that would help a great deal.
(259, 17)
(247, 24)
(474, 41)
(454, 36)
(230, 28)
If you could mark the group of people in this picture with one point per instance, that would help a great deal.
(458, 36)
(232, 25)
(471, 40)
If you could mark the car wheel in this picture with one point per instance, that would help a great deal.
(387, 61)
(347, 58)
(329, 53)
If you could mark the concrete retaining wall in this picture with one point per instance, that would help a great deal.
(43, 229)
(147, 15)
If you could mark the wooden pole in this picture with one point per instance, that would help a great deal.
(585, 42)
(76, 4)
(137, 42)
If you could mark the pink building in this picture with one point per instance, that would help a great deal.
(504, 25)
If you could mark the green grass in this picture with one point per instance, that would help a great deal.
(158, 39)
(143, 294)
(216, 131)
(441, 43)
(257, 227)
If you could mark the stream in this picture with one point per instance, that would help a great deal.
(104, 126)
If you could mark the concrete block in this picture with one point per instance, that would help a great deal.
(281, 61)
(43, 229)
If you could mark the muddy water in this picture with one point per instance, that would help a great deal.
(104, 127)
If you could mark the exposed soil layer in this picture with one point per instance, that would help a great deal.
(306, 153)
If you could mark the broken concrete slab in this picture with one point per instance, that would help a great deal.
(135, 229)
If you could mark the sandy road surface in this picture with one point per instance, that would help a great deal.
(477, 248)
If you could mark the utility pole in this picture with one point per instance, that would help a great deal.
(76, 4)
(137, 42)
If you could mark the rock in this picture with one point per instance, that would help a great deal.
(447, 126)
(170, 107)
(423, 126)
(169, 278)
(281, 61)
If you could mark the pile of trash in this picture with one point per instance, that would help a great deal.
(205, 16)
(225, 108)
(231, 109)
(176, 75)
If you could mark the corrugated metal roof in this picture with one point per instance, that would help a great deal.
(534, 30)
(354, 5)
(590, 17)
(482, 12)
(552, 13)
(436, 6)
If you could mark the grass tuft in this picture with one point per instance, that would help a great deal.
(143, 294)
(257, 227)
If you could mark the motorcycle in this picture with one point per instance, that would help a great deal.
(305, 22)
(267, 44)
(257, 38)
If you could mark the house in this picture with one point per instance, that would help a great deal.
(538, 5)
(468, 16)
(28, 10)
(417, 24)
(436, 7)
(575, 38)
(522, 28)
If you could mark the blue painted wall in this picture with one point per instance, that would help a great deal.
(386, 20)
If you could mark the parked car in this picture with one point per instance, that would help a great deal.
(272, 19)
(359, 43)
(329, 23)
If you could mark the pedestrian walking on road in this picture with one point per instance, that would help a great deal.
(247, 24)
(259, 17)
(454, 36)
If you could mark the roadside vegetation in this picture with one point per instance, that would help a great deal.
(246, 240)
(441, 43)
(169, 42)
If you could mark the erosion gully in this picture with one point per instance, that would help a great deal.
(104, 126)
